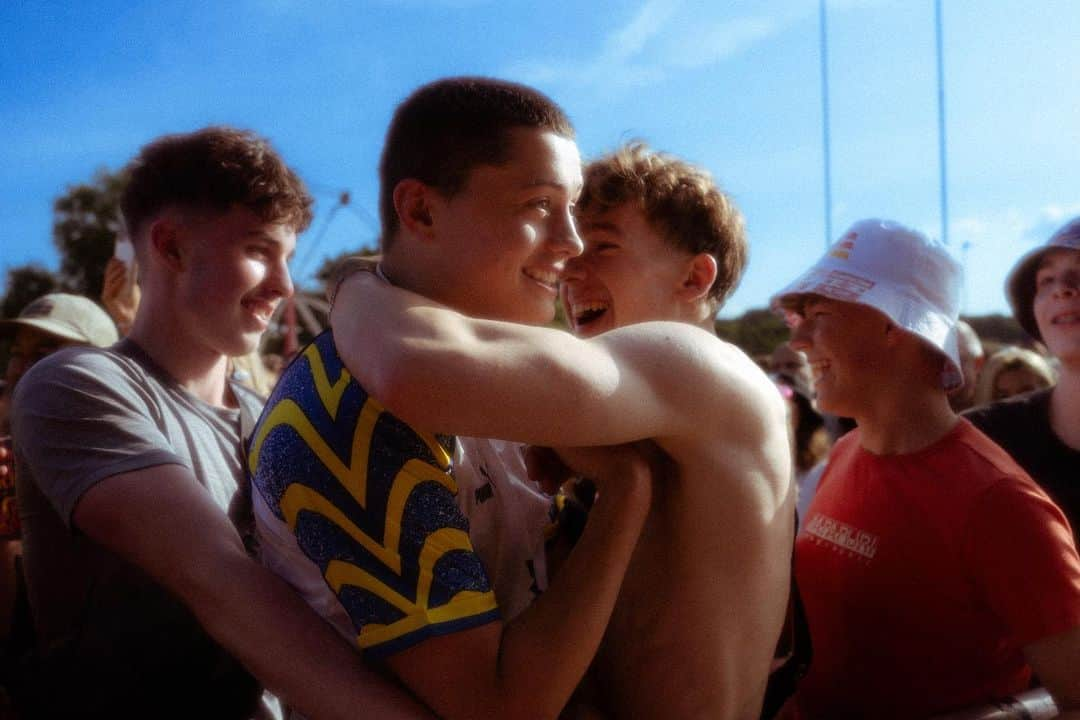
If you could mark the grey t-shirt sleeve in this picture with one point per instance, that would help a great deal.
(80, 416)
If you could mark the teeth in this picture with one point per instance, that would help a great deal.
(581, 308)
(544, 276)
(1066, 318)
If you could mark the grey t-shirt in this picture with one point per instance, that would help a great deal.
(110, 640)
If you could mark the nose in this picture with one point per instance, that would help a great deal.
(800, 337)
(1069, 283)
(574, 269)
(564, 239)
(280, 280)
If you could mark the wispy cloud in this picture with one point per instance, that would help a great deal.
(661, 37)
(667, 36)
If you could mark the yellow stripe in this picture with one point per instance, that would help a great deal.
(288, 413)
(466, 604)
(339, 573)
(300, 497)
(436, 545)
(412, 474)
(329, 394)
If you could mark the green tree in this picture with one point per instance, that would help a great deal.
(757, 331)
(86, 220)
(23, 285)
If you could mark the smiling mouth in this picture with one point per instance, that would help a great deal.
(587, 313)
(1069, 318)
(547, 278)
(261, 310)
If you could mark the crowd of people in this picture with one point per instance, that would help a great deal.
(445, 507)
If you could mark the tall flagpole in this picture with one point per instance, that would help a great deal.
(824, 33)
(941, 126)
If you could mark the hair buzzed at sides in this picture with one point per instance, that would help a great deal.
(679, 200)
(214, 168)
(446, 128)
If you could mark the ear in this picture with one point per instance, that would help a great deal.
(698, 278)
(412, 201)
(164, 243)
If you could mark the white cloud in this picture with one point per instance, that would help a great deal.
(656, 41)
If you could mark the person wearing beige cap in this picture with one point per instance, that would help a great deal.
(44, 326)
(1041, 430)
(936, 574)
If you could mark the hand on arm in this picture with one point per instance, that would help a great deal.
(163, 521)
(120, 294)
(529, 668)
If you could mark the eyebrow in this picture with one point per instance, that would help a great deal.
(602, 225)
(545, 182)
(265, 237)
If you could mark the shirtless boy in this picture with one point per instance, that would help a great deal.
(663, 249)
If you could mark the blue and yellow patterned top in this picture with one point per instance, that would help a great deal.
(357, 510)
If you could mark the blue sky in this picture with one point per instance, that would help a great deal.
(732, 85)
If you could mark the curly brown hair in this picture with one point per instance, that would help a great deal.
(679, 200)
(214, 168)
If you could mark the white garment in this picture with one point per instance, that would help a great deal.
(508, 515)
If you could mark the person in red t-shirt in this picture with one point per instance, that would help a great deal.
(936, 575)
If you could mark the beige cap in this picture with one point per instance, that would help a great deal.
(70, 317)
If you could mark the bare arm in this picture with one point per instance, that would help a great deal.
(163, 521)
(1056, 661)
(529, 668)
(439, 369)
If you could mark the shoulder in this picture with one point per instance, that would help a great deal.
(692, 357)
(1006, 415)
(71, 370)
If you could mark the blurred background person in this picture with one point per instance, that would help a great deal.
(1013, 371)
(810, 441)
(44, 326)
(1041, 430)
(972, 358)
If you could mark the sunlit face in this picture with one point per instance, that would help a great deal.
(234, 274)
(846, 346)
(1057, 303)
(510, 230)
(28, 346)
(1016, 381)
(627, 274)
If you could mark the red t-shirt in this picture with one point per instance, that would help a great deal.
(924, 575)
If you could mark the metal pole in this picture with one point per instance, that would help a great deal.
(824, 33)
(941, 126)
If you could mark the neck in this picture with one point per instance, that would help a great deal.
(902, 420)
(704, 316)
(200, 371)
(1065, 407)
(409, 271)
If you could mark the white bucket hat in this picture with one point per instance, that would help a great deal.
(1020, 285)
(68, 317)
(902, 273)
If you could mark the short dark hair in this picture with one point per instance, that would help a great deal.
(679, 200)
(446, 128)
(214, 168)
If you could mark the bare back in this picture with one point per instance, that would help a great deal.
(704, 600)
